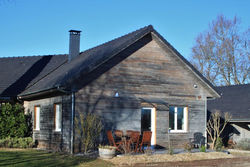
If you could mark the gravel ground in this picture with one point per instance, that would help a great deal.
(149, 160)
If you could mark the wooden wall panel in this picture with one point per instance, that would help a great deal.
(152, 73)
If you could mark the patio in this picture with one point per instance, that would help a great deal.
(130, 141)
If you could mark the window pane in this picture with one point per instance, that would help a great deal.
(58, 117)
(180, 118)
(37, 110)
(171, 118)
(145, 119)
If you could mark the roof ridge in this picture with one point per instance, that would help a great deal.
(233, 85)
(149, 27)
(19, 57)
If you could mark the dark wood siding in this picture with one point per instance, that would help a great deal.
(146, 74)
(151, 76)
(47, 137)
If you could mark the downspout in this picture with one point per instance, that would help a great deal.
(72, 122)
(205, 121)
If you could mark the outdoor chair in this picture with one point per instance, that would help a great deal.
(112, 141)
(134, 140)
(198, 140)
(118, 134)
(146, 140)
(129, 132)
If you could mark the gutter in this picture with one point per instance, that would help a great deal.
(38, 93)
(239, 120)
(205, 121)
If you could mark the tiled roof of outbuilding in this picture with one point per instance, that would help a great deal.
(234, 99)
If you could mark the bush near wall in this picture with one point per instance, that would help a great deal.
(25, 142)
(13, 121)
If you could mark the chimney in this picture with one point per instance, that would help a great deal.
(74, 44)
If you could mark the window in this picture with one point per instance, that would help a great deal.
(37, 118)
(58, 117)
(178, 119)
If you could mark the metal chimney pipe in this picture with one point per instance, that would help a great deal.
(74, 44)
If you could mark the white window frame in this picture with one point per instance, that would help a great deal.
(185, 115)
(58, 117)
(37, 111)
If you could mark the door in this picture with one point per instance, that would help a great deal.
(148, 122)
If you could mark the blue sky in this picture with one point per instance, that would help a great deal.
(40, 27)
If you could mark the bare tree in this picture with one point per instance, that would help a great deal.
(222, 53)
(88, 129)
(216, 125)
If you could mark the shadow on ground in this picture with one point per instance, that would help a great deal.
(41, 158)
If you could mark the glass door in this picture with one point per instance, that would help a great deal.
(148, 122)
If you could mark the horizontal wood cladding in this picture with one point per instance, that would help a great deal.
(143, 79)
(47, 137)
(150, 77)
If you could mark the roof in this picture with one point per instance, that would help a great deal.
(93, 58)
(87, 61)
(19, 73)
(234, 99)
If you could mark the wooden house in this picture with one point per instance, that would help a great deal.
(134, 82)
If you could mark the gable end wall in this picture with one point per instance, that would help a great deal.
(150, 74)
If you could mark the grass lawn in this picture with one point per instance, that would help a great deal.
(29, 157)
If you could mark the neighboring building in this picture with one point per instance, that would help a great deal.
(235, 100)
(134, 82)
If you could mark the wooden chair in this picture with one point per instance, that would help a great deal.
(118, 134)
(112, 141)
(146, 139)
(134, 140)
(129, 132)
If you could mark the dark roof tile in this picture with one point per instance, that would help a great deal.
(234, 99)
(18, 73)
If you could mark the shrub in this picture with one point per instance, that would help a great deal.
(88, 129)
(188, 146)
(8, 142)
(203, 148)
(243, 144)
(13, 122)
(218, 144)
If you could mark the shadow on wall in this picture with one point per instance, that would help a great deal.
(96, 92)
(99, 98)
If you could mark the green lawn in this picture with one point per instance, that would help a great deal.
(27, 158)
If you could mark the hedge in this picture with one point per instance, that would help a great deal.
(13, 121)
(25, 142)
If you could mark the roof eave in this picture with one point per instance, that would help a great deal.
(31, 95)
(239, 120)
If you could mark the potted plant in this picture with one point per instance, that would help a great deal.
(106, 152)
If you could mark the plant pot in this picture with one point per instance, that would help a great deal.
(106, 153)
